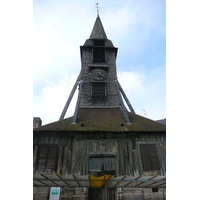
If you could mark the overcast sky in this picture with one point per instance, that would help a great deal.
(136, 28)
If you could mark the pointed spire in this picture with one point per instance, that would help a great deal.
(98, 30)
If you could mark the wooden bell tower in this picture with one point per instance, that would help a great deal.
(98, 84)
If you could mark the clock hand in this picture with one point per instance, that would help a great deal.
(100, 74)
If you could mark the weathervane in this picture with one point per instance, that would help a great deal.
(96, 5)
(144, 112)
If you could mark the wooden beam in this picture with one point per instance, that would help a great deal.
(122, 104)
(69, 99)
(62, 180)
(126, 99)
(139, 184)
(160, 184)
(59, 159)
(128, 183)
(150, 184)
(120, 180)
(76, 179)
(77, 104)
(138, 177)
(152, 177)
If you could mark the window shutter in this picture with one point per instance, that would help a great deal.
(41, 163)
(47, 158)
(53, 152)
(43, 152)
(51, 163)
(52, 158)
(42, 157)
(149, 157)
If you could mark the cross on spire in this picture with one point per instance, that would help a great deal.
(97, 6)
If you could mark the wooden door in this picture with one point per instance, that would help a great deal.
(99, 166)
(99, 194)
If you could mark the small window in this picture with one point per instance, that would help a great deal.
(98, 54)
(149, 157)
(154, 189)
(47, 158)
(98, 90)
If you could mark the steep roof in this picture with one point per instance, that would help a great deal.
(98, 31)
(104, 120)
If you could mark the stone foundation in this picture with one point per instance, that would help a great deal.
(42, 193)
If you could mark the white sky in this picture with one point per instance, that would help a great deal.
(136, 28)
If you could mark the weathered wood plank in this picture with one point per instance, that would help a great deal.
(110, 146)
(59, 159)
(73, 154)
(97, 146)
(130, 155)
(82, 158)
(90, 147)
(79, 145)
(35, 157)
(162, 154)
(40, 139)
(121, 158)
(146, 137)
(46, 138)
(158, 137)
(138, 157)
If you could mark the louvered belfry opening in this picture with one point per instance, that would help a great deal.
(47, 158)
(149, 157)
(99, 54)
(98, 90)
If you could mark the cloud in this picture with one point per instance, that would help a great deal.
(132, 82)
(146, 91)
(49, 104)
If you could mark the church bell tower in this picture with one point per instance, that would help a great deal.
(98, 70)
(98, 85)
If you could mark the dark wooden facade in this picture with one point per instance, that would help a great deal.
(84, 153)
(130, 153)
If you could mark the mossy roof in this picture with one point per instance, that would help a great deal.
(103, 120)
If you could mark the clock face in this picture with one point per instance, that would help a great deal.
(98, 74)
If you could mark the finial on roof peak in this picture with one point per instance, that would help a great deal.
(97, 6)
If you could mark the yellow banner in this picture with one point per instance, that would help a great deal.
(98, 181)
